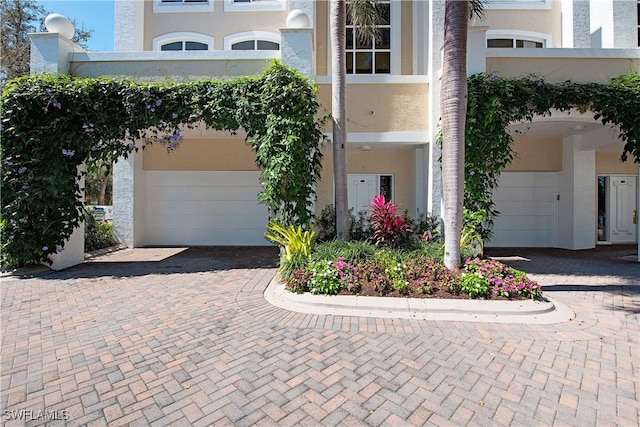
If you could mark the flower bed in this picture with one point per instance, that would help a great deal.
(384, 272)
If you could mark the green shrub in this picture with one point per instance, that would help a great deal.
(324, 278)
(295, 246)
(326, 225)
(352, 252)
(474, 285)
(391, 263)
(97, 234)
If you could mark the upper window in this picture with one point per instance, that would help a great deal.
(255, 45)
(517, 39)
(371, 57)
(173, 6)
(252, 40)
(511, 43)
(518, 4)
(253, 5)
(182, 41)
(638, 21)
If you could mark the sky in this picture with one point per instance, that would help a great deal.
(96, 15)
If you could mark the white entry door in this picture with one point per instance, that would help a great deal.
(361, 189)
(623, 204)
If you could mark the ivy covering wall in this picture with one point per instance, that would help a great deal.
(52, 125)
(495, 102)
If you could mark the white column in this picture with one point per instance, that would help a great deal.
(296, 50)
(436, 40)
(129, 202)
(576, 214)
(477, 50)
(73, 252)
(576, 21)
(50, 53)
(129, 25)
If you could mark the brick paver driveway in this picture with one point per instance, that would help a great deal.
(188, 339)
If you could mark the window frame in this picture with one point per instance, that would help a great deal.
(530, 36)
(244, 36)
(161, 40)
(518, 5)
(255, 6)
(395, 50)
(638, 21)
(181, 7)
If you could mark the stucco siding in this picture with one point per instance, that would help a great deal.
(561, 69)
(399, 163)
(382, 107)
(230, 154)
(536, 155)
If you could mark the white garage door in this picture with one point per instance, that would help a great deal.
(526, 201)
(205, 208)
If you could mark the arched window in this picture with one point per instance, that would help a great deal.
(252, 40)
(182, 41)
(253, 5)
(517, 39)
(179, 6)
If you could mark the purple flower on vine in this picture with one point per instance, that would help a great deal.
(69, 153)
(45, 248)
(22, 170)
(88, 127)
(57, 105)
(158, 102)
(11, 236)
(25, 187)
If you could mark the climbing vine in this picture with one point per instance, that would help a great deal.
(52, 125)
(495, 102)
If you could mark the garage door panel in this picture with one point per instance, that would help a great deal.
(206, 207)
(527, 203)
(531, 223)
(524, 238)
(525, 208)
(527, 179)
(219, 194)
(198, 178)
(187, 221)
(523, 194)
(204, 236)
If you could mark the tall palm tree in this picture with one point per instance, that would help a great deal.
(365, 15)
(453, 107)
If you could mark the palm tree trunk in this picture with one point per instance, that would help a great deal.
(338, 94)
(453, 105)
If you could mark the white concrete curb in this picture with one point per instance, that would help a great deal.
(523, 312)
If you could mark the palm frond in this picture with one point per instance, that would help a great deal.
(366, 16)
(476, 8)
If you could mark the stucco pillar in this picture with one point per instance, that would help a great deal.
(296, 43)
(435, 17)
(576, 207)
(50, 53)
(129, 25)
(576, 24)
(129, 200)
(477, 50)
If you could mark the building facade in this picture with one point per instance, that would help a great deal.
(567, 188)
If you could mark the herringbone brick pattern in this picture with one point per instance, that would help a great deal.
(189, 340)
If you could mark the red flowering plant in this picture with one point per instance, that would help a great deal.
(387, 227)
